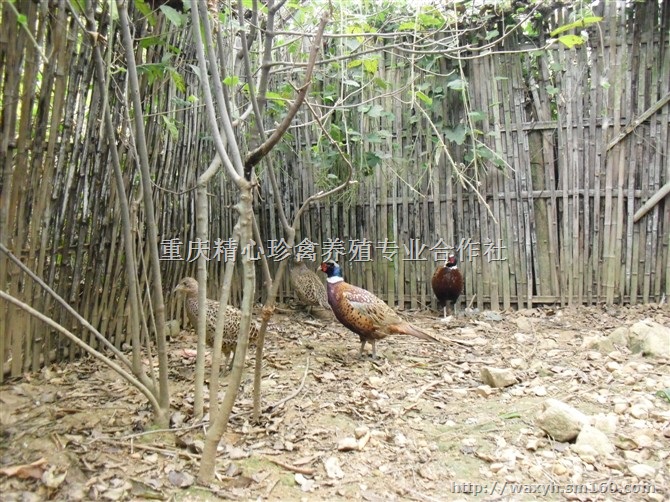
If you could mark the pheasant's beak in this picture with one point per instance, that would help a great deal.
(177, 289)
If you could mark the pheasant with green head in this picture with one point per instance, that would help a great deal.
(363, 313)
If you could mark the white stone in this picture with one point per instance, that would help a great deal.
(560, 420)
(642, 470)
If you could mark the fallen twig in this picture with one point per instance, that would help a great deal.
(276, 405)
(301, 470)
(425, 388)
(132, 445)
(458, 342)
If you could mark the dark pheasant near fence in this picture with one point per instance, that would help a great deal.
(447, 283)
(189, 288)
(307, 285)
(363, 313)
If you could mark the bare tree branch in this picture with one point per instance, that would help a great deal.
(99, 356)
(254, 157)
(151, 226)
(207, 91)
(217, 79)
(130, 261)
(67, 307)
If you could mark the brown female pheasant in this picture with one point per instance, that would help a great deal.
(189, 288)
(307, 285)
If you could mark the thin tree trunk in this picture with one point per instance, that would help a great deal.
(221, 416)
(150, 223)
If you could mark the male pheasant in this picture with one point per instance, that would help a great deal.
(307, 285)
(363, 313)
(189, 288)
(447, 283)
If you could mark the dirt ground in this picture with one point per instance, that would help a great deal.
(416, 424)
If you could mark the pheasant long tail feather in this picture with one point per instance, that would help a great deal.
(408, 329)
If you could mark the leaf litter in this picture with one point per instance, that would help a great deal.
(420, 423)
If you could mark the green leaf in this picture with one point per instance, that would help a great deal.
(354, 136)
(376, 111)
(476, 116)
(351, 83)
(152, 41)
(171, 127)
(249, 4)
(196, 70)
(231, 80)
(582, 23)
(22, 19)
(571, 41)
(276, 97)
(551, 90)
(485, 152)
(143, 7)
(373, 137)
(153, 71)
(180, 103)
(664, 394)
(372, 159)
(178, 80)
(370, 65)
(424, 98)
(407, 26)
(457, 135)
(492, 34)
(114, 11)
(457, 84)
(175, 18)
(353, 30)
(431, 19)
(335, 133)
(352, 44)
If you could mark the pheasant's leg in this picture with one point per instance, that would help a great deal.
(445, 311)
(229, 362)
(374, 349)
(360, 354)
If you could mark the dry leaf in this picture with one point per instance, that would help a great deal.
(34, 470)
(51, 479)
(181, 479)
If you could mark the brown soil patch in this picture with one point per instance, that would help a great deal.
(423, 427)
